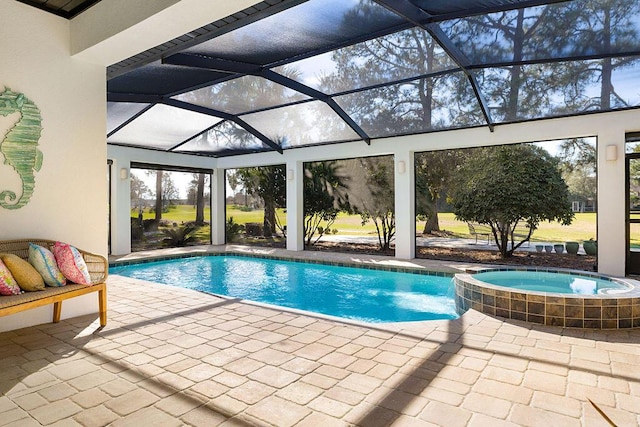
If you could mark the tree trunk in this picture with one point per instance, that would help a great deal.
(200, 200)
(269, 218)
(432, 223)
(158, 195)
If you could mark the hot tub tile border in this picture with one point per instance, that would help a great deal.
(552, 309)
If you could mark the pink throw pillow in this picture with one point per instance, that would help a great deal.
(8, 285)
(71, 263)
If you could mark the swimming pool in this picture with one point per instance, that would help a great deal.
(368, 295)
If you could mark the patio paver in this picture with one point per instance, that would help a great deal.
(171, 356)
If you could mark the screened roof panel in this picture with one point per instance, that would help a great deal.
(257, 93)
(404, 109)
(402, 55)
(163, 127)
(120, 112)
(560, 88)
(161, 79)
(324, 71)
(224, 137)
(302, 124)
(576, 28)
(304, 28)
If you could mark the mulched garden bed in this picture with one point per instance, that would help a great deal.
(477, 256)
(529, 259)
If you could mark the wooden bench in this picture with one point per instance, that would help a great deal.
(98, 270)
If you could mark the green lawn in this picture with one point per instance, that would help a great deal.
(582, 228)
(243, 217)
(182, 213)
(176, 213)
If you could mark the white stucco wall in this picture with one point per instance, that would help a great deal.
(70, 198)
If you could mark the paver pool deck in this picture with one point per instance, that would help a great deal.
(170, 356)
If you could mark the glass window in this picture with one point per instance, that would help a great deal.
(256, 206)
(350, 204)
(462, 183)
(256, 93)
(169, 208)
(302, 124)
(163, 127)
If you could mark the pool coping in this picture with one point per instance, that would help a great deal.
(372, 262)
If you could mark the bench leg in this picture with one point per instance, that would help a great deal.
(57, 310)
(102, 305)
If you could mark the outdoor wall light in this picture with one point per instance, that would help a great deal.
(402, 167)
(612, 152)
(290, 174)
(124, 174)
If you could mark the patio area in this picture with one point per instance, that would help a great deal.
(172, 356)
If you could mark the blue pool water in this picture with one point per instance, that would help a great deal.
(543, 281)
(353, 293)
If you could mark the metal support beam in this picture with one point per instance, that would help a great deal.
(212, 64)
(479, 10)
(135, 98)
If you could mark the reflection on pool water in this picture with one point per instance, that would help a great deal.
(545, 281)
(355, 293)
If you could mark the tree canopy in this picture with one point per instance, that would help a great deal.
(509, 185)
(325, 195)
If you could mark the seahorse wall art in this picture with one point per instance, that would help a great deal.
(20, 146)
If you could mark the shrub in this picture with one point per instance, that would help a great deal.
(233, 229)
(137, 233)
(180, 236)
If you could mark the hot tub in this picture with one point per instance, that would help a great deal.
(551, 297)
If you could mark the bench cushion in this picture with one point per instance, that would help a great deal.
(8, 285)
(44, 262)
(27, 277)
(71, 263)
